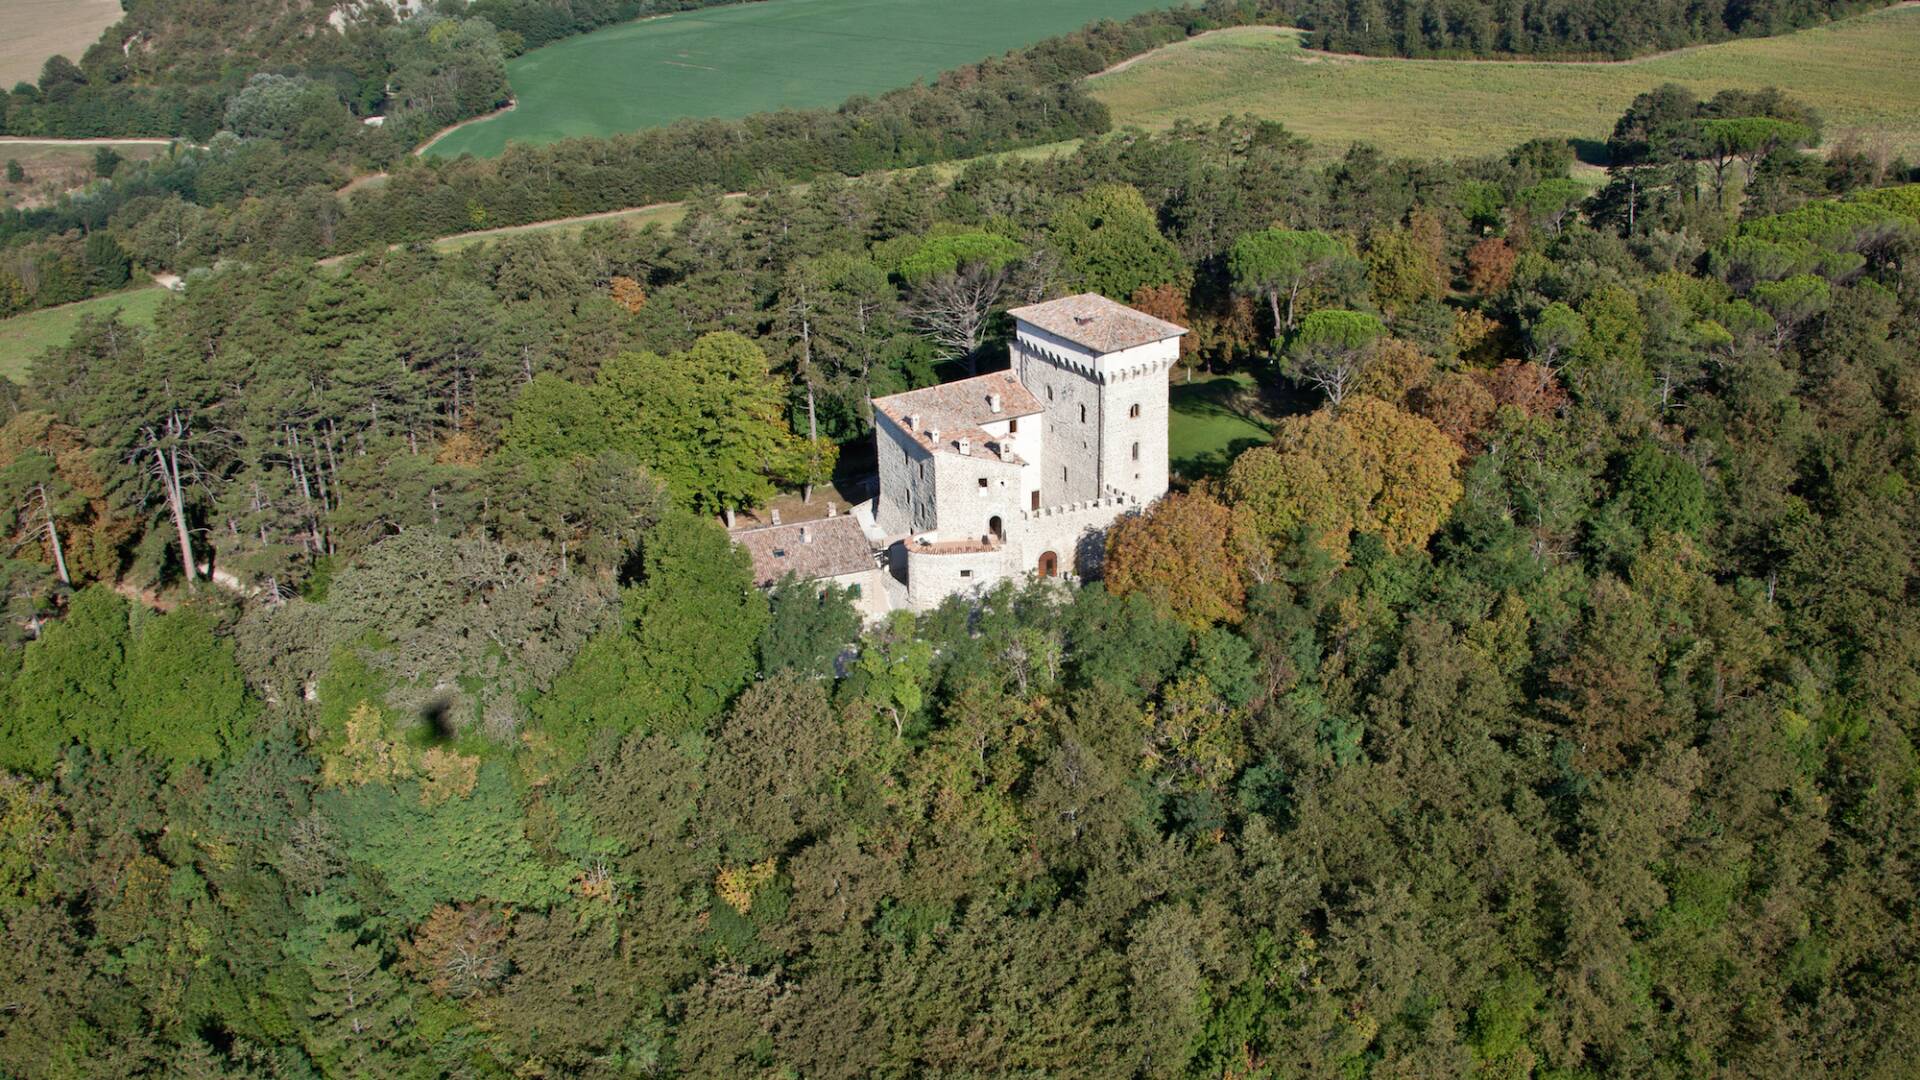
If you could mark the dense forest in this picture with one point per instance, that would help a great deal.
(282, 139)
(379, 696)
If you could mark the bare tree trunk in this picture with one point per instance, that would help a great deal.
(53, 537)
(167, 470)
(806, 377)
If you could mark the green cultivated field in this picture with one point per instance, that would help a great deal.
(24, 337)
(1863, 74)
(731, 61)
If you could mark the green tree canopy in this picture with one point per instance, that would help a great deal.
(1274, 263)
(1110, 244)
(710, 421)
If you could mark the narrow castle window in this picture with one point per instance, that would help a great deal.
(1013, 427)
(1136, 451)
(1083, 414)
(1049, 393)
(1134, 412)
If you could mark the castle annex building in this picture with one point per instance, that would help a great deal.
(1011, 473)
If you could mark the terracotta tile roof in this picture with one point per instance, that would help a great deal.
(825, 548)
(1097, 323)
(960, 408)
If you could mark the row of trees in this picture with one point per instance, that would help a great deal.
(1551, 27)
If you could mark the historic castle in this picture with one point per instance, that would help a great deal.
(1015, 472)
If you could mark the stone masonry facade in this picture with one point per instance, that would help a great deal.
(1017, 472)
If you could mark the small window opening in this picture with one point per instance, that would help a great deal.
(1134, 412)
(966, 573)
(983, 480)
(1083, 414)
(1136, 451)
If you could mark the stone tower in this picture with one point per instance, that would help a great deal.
(1099, 370)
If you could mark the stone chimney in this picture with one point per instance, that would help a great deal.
(832, 510)
(806, 535)
(913, 421)
(993, 403)
(776, 517)
(933, 437)
(966, 447)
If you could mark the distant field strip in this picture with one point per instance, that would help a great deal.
(731, 61)
(24, 337)
(33, 30)
(1863, 74)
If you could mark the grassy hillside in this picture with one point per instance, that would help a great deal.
(51, 168)
(24, 337)
(1863, 74)
(731, 61)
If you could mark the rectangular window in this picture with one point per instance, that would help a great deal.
(966, 573)
(1036, 500)
(1063, 472)
(1013, 427)
(983, 480)
(853, 591)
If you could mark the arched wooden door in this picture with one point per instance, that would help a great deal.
(1049, 564)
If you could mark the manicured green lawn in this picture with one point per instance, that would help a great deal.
(1214, 419)
(1862, 74)
(731, 61)
(24, 337)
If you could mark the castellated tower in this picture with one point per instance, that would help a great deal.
(1020, 472)
(1100, 371)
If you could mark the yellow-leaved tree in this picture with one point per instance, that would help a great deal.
(1367, 468)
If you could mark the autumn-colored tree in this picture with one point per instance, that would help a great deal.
(1168, 302)
(1456, 403)
(1529, 387)
(1370, 468)
(1416, 463)
(1230, 328)
(1178, 553)
(629, 294)
(1278, 496)
(1395, 369)
(1490, 264)
(459, 951)
(51, 486)
(1400, 270)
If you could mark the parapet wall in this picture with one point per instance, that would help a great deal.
(935, 574)
(1075, 532)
